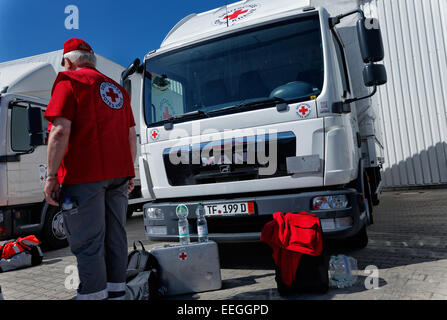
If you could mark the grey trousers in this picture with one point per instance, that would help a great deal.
(96, 233)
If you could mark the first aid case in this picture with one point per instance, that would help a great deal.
(190, 268)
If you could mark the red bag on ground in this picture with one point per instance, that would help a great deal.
(290, 236)
(20, 245)
(23, 252)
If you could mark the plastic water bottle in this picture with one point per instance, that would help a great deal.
(340, 271)
(67, 205)
(202, 227)
(183, 226)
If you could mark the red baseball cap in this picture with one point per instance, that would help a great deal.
(75, 44)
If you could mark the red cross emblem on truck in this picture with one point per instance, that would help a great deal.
(235, 14)
(183, 256)
(303, 111)
(154, 134)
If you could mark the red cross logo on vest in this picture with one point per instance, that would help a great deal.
(235, 14)
(155, 134)
(111, 95)
(183, 256)
(303, 111)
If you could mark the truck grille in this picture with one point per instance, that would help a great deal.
(197, 164)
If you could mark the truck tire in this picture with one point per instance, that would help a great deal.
(53, 234)
(359, 240)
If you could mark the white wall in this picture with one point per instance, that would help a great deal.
(413, 105)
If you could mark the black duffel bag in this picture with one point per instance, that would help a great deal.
(143, 275)
(312, 276)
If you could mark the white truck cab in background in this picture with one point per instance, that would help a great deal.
(26, 84)
(263, 106)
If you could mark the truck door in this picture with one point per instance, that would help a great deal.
(26, 167)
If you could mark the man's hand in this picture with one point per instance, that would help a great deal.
(57, 145)
(52, 187)
(131, 185)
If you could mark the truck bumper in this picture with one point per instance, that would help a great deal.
(248, 228)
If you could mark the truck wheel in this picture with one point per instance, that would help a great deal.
(358, 241)
(375, 201)
(53, 234)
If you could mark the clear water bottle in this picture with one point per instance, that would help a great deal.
(183, 226)
(67, 205)
(202, 227)
(340, 271)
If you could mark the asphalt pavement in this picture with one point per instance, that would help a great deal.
(406, 258)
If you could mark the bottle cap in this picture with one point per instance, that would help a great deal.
(181, 210)
(67, 199)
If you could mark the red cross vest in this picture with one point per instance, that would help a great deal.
(98, 148)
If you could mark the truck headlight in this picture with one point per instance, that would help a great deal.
(330, 202)
(154, 214)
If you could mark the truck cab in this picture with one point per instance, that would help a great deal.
(258, 107)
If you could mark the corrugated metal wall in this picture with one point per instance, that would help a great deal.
(413, 105)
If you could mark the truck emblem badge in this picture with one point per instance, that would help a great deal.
(303, 111)
(236, 14)
(111, 95)
(155, 134)
(225, 168)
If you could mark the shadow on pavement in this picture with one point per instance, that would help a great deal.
(258, 255)
(243, 281)
(272, 293)
(246, 256)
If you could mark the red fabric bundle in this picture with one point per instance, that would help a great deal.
(290, 236)
(20, 245)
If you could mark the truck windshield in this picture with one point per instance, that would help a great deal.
(283, 60)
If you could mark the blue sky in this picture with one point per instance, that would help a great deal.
(118, 30)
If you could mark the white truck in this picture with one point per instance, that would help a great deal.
(25, 85)
(263, 106)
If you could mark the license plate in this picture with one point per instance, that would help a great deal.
(230, 209)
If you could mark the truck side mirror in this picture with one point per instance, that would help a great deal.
(35, 127)
(370, 40)
(374, 74)
(134, 66)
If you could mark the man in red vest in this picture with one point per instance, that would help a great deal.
(90, 169)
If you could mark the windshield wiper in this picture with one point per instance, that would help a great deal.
(189, 114)
(168, 123)
(250, 104)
